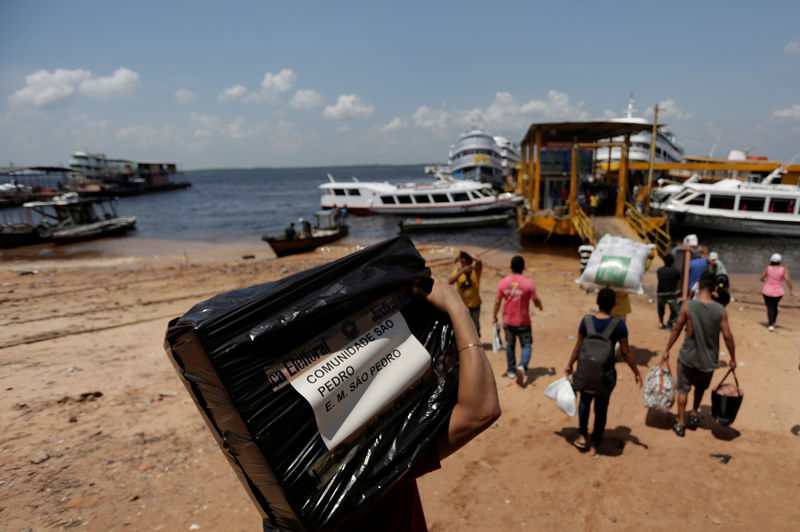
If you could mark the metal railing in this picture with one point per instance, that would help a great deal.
(584, 226)
(646, 229)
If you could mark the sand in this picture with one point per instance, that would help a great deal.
(98, 432)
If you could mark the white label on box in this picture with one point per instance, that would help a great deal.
(349, 386)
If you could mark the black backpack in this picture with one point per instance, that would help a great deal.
(594, 357)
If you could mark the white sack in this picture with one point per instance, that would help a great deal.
(658, 389)
(617, 262)
(562, 393)
(497, 345)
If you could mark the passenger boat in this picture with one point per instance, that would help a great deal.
(453, 222)
(439, 197)
(94, 174)
(327, 230)
(731, 205)
(64, 219)
(668, 149)
(475, 155)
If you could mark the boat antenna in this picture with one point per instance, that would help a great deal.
(629, 111)
(714, 146)
(778, 172)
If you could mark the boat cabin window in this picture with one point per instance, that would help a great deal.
(751, 204)
(388, 200)
(781, 205)
(354, 192)
(683, 195)
(460, 197)
(339, 191)
(474, 195)
(441, 198)
(404, 199)
(699, 199)
(422, 198)
(721, 202)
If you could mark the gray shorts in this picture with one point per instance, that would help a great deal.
(688, 377)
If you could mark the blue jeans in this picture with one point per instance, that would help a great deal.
(522, 332)
(600, 411)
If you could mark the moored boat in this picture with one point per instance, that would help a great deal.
(453, 222)
(439, 197)
(64, 219)
(731, 205)
(327, 230)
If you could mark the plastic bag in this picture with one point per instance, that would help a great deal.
(562, 393)
(659, 389)
(617, 262)
(323, 388)
(497, 345)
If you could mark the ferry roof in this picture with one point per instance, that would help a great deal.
(8, 170)
(589, 131)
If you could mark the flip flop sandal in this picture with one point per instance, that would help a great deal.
(680, 430)
(692, 421)
(578, 444)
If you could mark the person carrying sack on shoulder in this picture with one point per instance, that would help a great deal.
(704, 320)
(596, 375)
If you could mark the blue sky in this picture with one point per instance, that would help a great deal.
(249, 84)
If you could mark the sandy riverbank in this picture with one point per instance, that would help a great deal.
(98, 433)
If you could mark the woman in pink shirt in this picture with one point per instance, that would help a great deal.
(774, 275)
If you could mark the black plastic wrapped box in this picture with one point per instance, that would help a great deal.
(322, 388)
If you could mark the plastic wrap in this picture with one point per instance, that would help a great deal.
(617, 262)
(563, 394)
(333, 334)
(659, 389)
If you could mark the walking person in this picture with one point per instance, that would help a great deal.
(468, 283)
(704, 319)
(515, 292)
(774, 275)
(669, 288)
(585, 251)
(596, 375)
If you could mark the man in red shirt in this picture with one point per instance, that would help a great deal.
(517, 291)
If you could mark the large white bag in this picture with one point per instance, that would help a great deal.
(658, 389)
(562, 393)
(617, 262)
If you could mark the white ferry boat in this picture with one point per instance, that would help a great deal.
(475, 155)
(731, 205)
(668, 149)
(509, 153)
(440, 197)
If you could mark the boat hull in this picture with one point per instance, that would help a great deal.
(458, 222)
(734, 225)
(102, 229)
(283, 247)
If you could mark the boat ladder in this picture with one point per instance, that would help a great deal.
(584, 226)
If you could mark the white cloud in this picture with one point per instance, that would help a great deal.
(793, 46)
(343, 129)
(184, 96)
(206, 124)
(305, 99)
(556, 107)
(668, 110)
(792, 112)
(273, 85)
(232, 93)
(122, 83)
(45, 89)
(147, 136)
(428, 118)
(393, 125)
(348, 106)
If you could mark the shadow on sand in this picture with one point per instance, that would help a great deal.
(665, 421)
(614, 440)
(535, 373)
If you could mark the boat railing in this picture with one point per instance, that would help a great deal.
(584, 226)
(647, 229)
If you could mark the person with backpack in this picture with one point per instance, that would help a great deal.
(596, 375)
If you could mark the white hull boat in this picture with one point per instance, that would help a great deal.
(440, 197)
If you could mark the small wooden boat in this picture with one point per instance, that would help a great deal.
(327, 230)
(452, 222)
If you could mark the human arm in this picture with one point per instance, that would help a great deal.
(683, 321)
(574, 356)
(465, 270)
(763, 276)
(727, 336)
(497, 301)
(625, 350)
(788, 280)
(477, 406)
(538, 303)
